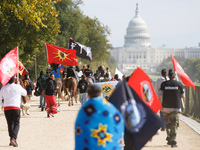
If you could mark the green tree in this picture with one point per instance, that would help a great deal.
(28, 24)
(192, 68)
(167, 63)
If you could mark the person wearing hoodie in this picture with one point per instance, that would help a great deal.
(159, 81)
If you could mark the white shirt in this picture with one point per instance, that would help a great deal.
(11, 93)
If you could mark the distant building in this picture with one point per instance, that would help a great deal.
(137, 51)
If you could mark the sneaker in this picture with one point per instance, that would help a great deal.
(13, 143)
(48, 116)
(169, 143)
(42, 109)
(174, 145)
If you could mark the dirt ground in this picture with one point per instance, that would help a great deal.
(39, 132)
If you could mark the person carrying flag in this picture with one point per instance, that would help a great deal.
(11, 93)
(171, 92)
(56, 71)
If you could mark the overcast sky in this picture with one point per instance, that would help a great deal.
(175, 23)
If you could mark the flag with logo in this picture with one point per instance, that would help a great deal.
(8, 66)
(22, 70)
(140, 83)
(179, 70)
(107, 87)
(141, 123)
(61, 55)
(81, 50)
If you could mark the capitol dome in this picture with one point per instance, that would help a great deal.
(137, 32)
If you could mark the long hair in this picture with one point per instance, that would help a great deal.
(164, 73)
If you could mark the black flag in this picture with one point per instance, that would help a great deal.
(81, 50)
(141, 123)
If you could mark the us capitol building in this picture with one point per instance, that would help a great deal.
(137, 51)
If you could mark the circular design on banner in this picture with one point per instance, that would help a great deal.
(8, 67)
(105, 113)
(134, 115)
(107, 88)
(147, 92)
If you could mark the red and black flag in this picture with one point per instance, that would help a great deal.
(141, 123)
(81, 50)
(140, 82)
(61, 55)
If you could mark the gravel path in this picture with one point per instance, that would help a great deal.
(39, 132)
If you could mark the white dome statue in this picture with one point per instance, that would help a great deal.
(137, 33)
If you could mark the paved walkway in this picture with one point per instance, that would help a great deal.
(39, 132)
(192, 123)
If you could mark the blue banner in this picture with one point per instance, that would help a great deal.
(107, 87)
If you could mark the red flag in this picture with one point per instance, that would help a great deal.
(61, 55)
(8, 66)
(184, 77)
(140, 82)
(22, 70)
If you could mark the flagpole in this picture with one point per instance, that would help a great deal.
(18, 62)
(46, 51)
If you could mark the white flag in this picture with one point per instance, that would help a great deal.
(119, 73)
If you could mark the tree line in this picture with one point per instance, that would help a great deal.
(29, 24)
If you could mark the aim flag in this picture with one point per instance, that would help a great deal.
(140, 82)
(179, 70)
(81, 50)
(9, 66)
(22, 70)
(61, 55)
(107, 87)
(141, 123)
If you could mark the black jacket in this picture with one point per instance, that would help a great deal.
(82, 85)
(29, 86)
(50, 88)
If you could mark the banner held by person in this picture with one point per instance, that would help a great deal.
(61, 55)
(140, 82)
(141, 122)
(81, 50)
(179, 70)
(107, 87)
(8, 66)
(22, 70)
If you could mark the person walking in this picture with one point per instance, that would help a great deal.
(171, 92)
(51, 107)
(82, 86)
(11, 93)
(29, 86)
(159, 81)
(41, 81)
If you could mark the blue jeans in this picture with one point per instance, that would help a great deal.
(42, 101)
(83, 97)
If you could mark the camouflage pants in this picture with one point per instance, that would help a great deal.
(172, 121)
